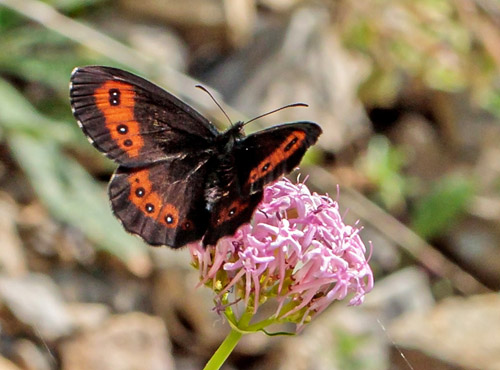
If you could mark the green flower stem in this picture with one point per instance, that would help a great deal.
(245, 320)
(238, 328)
(224, 350)
(261, 324)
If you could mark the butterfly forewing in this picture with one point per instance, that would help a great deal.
(266, 155)
(133, 121)
(259, 159)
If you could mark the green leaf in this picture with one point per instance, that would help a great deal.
(37, 54)
(72, 5)
(382, 164)
(8, 19)
(18, 115)
(443, 206)
(491, 101)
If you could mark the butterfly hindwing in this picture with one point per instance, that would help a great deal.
(266, 155)
(229, 214)
(133, 121)
(163, 203)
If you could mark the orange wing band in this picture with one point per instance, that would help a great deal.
(149, 202)
(116, 102)
(289, 146)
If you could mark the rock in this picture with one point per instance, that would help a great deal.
(34, 300)
(280, 5)
(122, 292)
(44, 237)
(31, 357)
(12, 258)
(123, 342)
(87, 316)
(459, 333)
(7, 365)
(473, 244)
(78, 285)
(234, 19)
(40, 233)
(190, 318)
(387, 253)
(322, 345)
(160, 43)
(426, 156)
(404, 291)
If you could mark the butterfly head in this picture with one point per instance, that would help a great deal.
(231, 135)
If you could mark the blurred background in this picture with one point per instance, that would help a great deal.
(408, 96)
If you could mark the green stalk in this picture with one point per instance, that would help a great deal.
(224, 350)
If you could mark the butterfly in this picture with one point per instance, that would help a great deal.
(179, 179)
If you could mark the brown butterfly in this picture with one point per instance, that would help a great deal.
(179, 179)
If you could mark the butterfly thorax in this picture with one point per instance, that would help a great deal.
(222, 179)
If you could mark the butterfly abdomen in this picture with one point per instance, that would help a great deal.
(221, 180)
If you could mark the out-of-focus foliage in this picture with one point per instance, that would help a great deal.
(442, 207)
(43, 60)
(70, 6)
(347, 347)
(446, 44)
(382, 164)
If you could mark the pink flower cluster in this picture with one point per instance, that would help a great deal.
(296, 249)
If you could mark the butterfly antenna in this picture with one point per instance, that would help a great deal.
(277, 110)
(215, 101)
